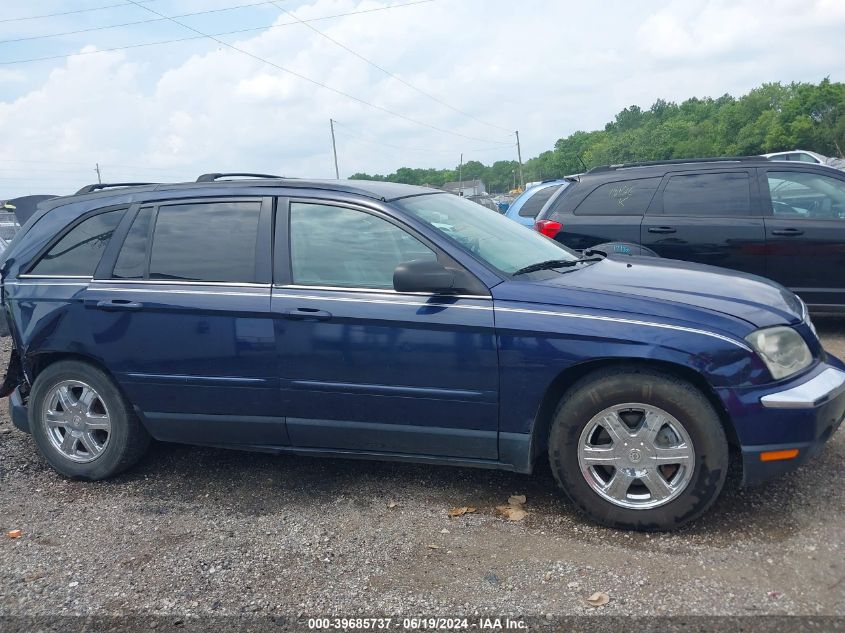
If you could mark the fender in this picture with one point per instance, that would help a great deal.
(543, 348)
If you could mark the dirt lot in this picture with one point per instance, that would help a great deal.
(201, 531)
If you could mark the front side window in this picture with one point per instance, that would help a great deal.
(209, 241)
(337, 246)
(625, 197)
(809, 196)
(79, 251)
(708, 195)
(498, 241)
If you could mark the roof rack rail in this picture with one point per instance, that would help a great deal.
(676, 161)
(108, 185)
(213, 177)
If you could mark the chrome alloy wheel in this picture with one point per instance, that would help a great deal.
(636, 456)
(76, 420)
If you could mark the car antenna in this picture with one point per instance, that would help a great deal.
(578, 156)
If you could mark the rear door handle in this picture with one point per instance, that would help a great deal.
(306, 314)
(119, 304)
(788, 232)
(661, 229)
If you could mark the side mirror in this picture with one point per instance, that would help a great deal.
(423, 275)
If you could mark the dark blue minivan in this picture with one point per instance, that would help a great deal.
(384, 321)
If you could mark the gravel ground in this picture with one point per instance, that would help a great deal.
(194, 531)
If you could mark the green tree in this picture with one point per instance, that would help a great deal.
(772, 117)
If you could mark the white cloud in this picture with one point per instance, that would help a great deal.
(704, 30)
(546, 69)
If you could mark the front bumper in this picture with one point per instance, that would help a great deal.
(826, 386)
(780, 429)
(18, 411)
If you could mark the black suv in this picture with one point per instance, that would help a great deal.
(782, 220)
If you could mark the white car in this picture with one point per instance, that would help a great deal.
(806, 156)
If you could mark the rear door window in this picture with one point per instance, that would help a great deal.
(625, 197)
(208, 241)
(708, 195)
(535, 203)
(79, 251)
(132, 259)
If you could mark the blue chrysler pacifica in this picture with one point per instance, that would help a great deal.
(384, 321)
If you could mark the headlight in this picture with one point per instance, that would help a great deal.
(782, 349)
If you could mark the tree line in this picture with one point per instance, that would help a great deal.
(770, 118)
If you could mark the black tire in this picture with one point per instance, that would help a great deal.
(607, 388)
(128, 439)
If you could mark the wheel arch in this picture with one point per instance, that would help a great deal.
(37, 362)
(564, 380)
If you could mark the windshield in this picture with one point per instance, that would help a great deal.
(500, 242)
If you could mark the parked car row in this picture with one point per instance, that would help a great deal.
(781, 220)
(377, 320)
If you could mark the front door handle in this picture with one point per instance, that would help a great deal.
(119, 304)
(788, 232)
(306, 314)
(661, 229)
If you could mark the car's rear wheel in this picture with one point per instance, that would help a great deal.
(81, 422)
(638, 449)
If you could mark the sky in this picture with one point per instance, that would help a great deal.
(411, 83)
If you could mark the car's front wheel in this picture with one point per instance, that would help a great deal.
(638, 449)
(81, 423)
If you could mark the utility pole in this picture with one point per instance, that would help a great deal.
(461, 176)
(97, 169)
(334, 150)
(519, 155)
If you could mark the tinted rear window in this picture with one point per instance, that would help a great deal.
(214, 241)
(132, 259)
(720, 194)
(80, 250)
(625, 197)
(535, 203)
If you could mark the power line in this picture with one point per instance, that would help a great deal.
(346, 130)
(199, 37)
(53, 15)
(387, 72)
(86, 165)
(310, 80)
(136, 22)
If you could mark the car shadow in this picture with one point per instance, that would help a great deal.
(255, 484)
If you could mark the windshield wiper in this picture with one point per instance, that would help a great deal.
(555, 263)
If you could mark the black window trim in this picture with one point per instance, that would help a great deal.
(756, 207)
(263, 248)
(800, 168)
(283, 266)
(67, 229)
